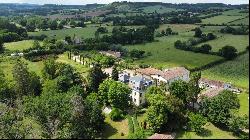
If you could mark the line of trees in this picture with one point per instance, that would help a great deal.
(243, 30)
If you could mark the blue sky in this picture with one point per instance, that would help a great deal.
(80, 2)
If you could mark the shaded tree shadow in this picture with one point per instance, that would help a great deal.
(205, 133)
(108, 131)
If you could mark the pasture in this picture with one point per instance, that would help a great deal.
(7, 63)
(240, 42)
(221, 19)
(235, 71)
(87, 32)
(163, 54)
(180, 28)
(244, 21)
(159, 9)
(18, 46)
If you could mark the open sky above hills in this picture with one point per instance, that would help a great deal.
(82, 2)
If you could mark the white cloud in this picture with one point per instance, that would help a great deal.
(79, 2)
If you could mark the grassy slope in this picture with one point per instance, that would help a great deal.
(177, 27)
(244, 21)
(113, 129)
(80, 68)
(226, 17)
(244, 104)
(158, 9)
(87, 32)
(240, 42)
(7, 64)
(212, 133)
(165, 55)
(235, 71)
(20, 45)
(220, 19)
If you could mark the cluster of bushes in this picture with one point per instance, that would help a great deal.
(211, 15)
(243, 30)
(116, 114)
(102, 30)
(184, 20)
(31, 23)
(166, 32)
(135, 20)
(40, 37)
(122, 35)
(9, 32)
(50, 48)
(189, 45)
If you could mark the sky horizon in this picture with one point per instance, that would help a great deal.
(83, 2)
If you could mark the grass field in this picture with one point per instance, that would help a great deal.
(165, 55)
(212, 132)
(114, 129)
(180, 28)
(79, 67)
(235, 71)
(220, 19)
(244, 104)
(18, 46)
(7, 64)
(87, 32)
(159, 9)
(234, 12)
(240, 42)
(244, 21)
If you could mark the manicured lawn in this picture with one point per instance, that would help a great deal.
(235, 71)
(240, 42)
(212, 133)
(18, 46)
(244, 103)
(165, 55)
(113, 129)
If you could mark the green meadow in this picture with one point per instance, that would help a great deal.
(235, 71)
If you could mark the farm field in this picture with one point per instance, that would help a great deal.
(18, 46)
(240, 42)
(234, 12)
(86, 32)
(235, 71)
(244, 21)
(220, 19)
(165, 55)
(159, 9)
(7, 64)
(177, 27)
